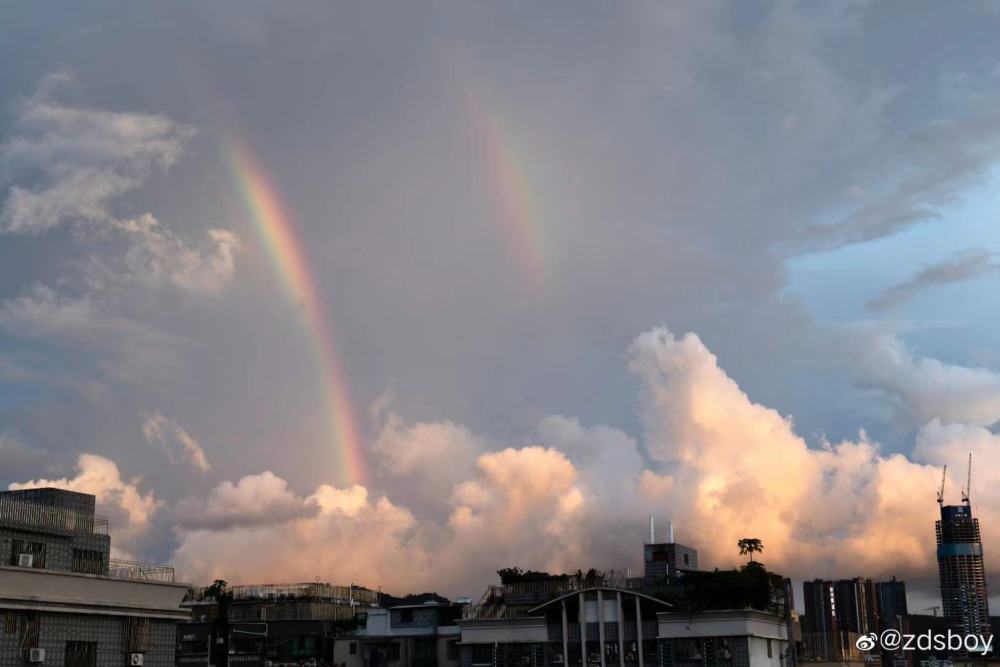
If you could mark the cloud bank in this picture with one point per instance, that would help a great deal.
(570, 496)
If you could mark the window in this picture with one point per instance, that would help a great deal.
(81, 654)
(453, 649)
(352, 648)
(87, 561)
(9, 622)
(769, 648)
(135, 634)
(35, 549)
(482, 654)
(406, 616)
(29, 629)
(391, 651)
(687, 559)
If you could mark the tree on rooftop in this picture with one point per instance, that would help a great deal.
(750, 545)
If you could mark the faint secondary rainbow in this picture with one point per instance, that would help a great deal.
(510, 189)
(274, 224)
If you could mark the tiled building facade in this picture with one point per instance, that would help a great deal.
(65, 601)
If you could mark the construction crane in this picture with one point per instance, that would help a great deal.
(940, 495)
(968, 484)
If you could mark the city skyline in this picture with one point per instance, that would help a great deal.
(403, 296)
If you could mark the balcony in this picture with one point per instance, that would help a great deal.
(30, 516)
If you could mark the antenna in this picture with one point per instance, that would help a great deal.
(940, 495)
(968, 484)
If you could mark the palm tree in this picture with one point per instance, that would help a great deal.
(750, 545)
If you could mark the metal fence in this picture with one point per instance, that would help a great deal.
(127, 569)
(24, 514)
(348, 595)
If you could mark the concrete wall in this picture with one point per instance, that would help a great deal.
(504, 630)
(722, 624)
(758, 652)
(26, 587)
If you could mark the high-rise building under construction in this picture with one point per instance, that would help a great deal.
(960, 565)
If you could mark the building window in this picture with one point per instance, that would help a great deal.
(453, 649)
(135, 634)
(769, 648)
(352, 648)
(87, 561)
(30, 629)
(9, 622)
(34, 549)
(393, 651)
(482, 654)
(687, 559)
(81, 654)
(406, 616)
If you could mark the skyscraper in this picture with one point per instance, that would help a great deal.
(960, 565)
(891, 596)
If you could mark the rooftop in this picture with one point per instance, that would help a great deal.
(17, 512)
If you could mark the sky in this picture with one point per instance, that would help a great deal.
(398, 294)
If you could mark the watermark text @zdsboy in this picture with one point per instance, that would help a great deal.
(894, 640)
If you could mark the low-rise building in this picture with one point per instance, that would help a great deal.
(270, 624)
(65, 601)
(724, 638)
(591, 625)
(414, 635)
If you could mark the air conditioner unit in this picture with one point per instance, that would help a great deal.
(557, 659)
(594, 658)
(135, 659)
(25, 560)
(36, 654)
(524, 660)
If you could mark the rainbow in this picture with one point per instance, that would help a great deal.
(510, 189)
(274, 225)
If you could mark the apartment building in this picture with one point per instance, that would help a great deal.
(270, 624)
(411, 635)
(65, 601)
(713, 619)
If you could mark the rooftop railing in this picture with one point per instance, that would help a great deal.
(514, 599)
(33, 516)
(349, 595)
(127, 569)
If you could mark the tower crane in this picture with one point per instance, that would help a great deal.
(940, 494)
(968, 484)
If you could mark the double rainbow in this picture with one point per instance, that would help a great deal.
(509, 187)
(274, 224)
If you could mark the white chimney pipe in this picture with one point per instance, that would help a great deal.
(670, 525)
(652, 530)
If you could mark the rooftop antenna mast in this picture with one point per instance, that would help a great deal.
(968, 484)
(940, 494)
